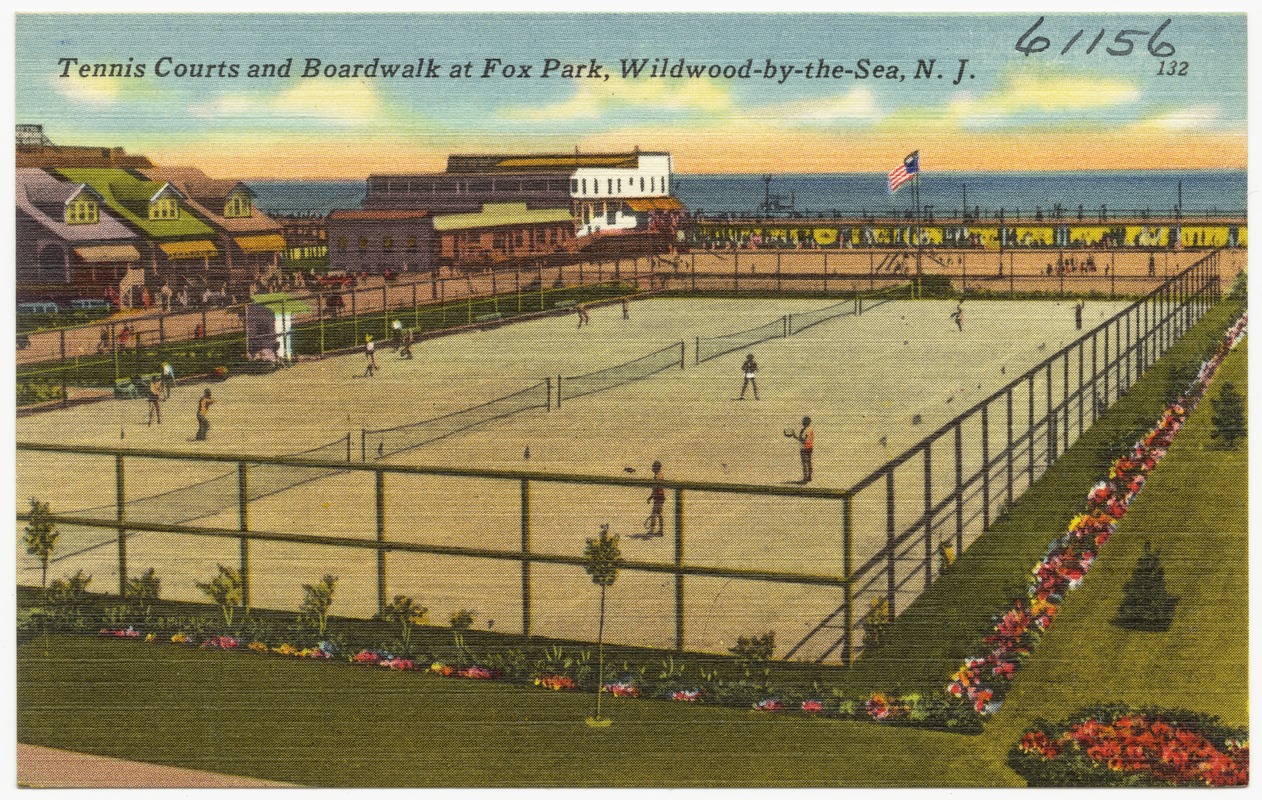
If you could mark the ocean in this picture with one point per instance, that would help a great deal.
(942, 193)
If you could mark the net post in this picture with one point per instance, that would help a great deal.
(847, 571)
(784, 326)
(679, 565)
(525, 562)
(548, 381)
(558, 390)
(697, 351)
(381, 538)
(120, 511)
(682, 352)
(243, 525)
(348, 447)
(363, 445)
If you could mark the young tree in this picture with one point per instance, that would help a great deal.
(41, 537)
(317, 600)
(1146, 603)
(225, 591)
(1229, 415)
(602, 559)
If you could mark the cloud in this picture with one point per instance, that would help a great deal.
(1025, 97)
(92, 91)
(859, 105)
(1183, 120)
(337, 103)
(596, 100)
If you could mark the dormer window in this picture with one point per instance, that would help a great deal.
(82, 211)
(164, 208)
(238, 205)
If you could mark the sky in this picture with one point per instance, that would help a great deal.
(1048, 110)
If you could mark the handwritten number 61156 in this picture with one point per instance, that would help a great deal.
(1123, 43)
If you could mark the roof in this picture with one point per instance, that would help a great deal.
(378, 214)
(207, 196)
(654, 204)
(127, 195)
(279, 301)
(495, 215)
(543, 161)
(37, 190)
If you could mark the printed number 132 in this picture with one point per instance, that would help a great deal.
(1179, 68)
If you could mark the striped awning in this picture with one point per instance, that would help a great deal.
(181, 250)
(107, 253)
(655, 204)
(261, 243)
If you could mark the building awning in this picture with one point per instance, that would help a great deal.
(180, 250)
(655, 204)
(278, 302)
(261, 243)
(107, 253)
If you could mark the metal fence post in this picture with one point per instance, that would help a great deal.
(381, 539)
(65, 393)
(959, 486)
(1095, 377)
(928, 515)
(959, 542)
(1108, 365)
(243, 525)
(1065, 396)
(525, 563)
(1008, 449)
(679, 564)
(1030, 435)
(120, 511)
(847, 569)
(891, 581)
(1081, 394)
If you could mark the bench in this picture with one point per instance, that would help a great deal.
(124, 389)
(489, 317)
(564, 304)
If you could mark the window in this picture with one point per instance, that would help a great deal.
(82, 211)
(164, 208)
(238, 205)
(620, 186)
(609, 182)
(341, 244)
(363, 243)
(411, 242)
(641, 183)
(584, 186)
(387, 244)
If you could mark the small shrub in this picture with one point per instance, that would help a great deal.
(316, 601)
(1229, 416)
(404, 612)
(1146, 603)
(225, 591)
(141, 592)
(462, 620)
(755, 649)
(876, 624)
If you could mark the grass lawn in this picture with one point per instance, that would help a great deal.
(327, 724)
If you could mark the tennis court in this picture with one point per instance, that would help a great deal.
(873, 384)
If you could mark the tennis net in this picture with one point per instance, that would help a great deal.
(709, 347)
(807, 319)
(571, 386)
(386, 441)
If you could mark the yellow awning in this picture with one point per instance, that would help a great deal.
(261, 243)
(655, 204)
(106, 253)
(179, 250)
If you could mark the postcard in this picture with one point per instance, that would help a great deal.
(631, 399)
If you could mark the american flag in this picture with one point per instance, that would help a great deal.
(905, 172)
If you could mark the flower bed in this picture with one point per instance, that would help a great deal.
(1127, 747)
(981, 681)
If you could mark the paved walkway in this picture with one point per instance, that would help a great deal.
(47, 768)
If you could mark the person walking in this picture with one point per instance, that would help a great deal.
(371, 355)
(168, 379)
(1078, 307)
(406, 350)
(656, 522)
(203, 420)
(958, 316)
(750, 370)
(626, 308)
(155, 400)
(806, 438)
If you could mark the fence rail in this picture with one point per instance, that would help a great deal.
(1011, 446)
